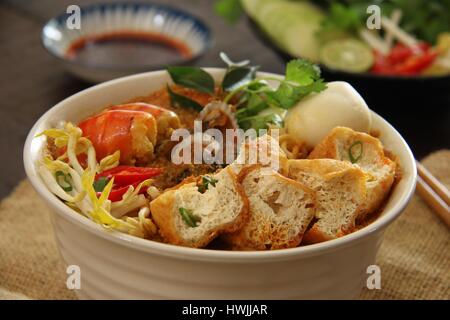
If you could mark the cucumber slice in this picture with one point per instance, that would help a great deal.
(291, 25)
(347, 55)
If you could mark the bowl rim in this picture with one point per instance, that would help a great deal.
(223, 256)
(208, 38)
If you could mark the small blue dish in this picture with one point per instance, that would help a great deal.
(119, 39)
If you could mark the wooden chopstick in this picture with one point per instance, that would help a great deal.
(434, 193)
(434, 183)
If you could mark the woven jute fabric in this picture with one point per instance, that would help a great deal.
(414, 258)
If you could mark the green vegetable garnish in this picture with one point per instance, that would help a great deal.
(302, 78)
(64, 181)
(287, 95)
(206, 181)
(192, 77)
(230, 10)
(302, 72)
(188, 217)
(255, 105)
(182, 101)
(100, 184)
(423, 18)
(355, 151)
(253, 97)
(347, 54)
(237, 77)
(260, 122)
(343, 17)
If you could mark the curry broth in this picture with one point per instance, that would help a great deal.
(174, 174)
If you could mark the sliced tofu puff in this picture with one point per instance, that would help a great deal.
(341, 195)
(264, 150)
(280, 211)
(197, 212)
(365, 152)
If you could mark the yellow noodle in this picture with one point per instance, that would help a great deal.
(292, 147)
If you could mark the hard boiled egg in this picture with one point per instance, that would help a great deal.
(338, 105)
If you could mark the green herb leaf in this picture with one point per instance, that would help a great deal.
(182, 101)
(188, 217)
(237, 77)
(343, 17)
(302, 72)
(255, 104)
(230, 10)
(255, 95)
(64, 181)
(257, 87)
(287, 95)
(192, 77)
(100, 184)
(423, 18)
(260, 122)
(355, 151)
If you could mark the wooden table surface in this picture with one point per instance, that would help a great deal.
(32, 81)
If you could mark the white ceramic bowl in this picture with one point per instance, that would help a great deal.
(119, 266)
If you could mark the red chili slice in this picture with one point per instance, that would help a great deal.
(381, 64)
(403, 60)
(117, 194)
(127, 175)
(415, 64)
(400, 52)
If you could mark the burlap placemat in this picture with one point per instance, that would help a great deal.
(414, 258)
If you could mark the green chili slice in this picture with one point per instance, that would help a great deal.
(355, 151)
(100, 184)
(64, 181)
(206, 181)
(188, 217)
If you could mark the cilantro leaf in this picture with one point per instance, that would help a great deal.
(259, 122)
(255, 104)
(287, 95)
(302, 72)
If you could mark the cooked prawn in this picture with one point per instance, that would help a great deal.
(166, 120)
(132, 132)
